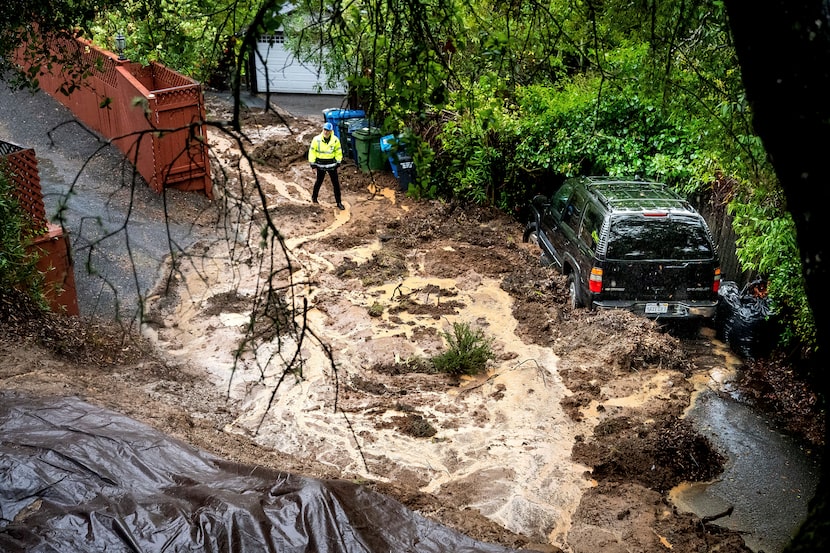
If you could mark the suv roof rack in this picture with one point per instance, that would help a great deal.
(635, 194)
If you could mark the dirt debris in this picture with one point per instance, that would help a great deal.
(632, 454)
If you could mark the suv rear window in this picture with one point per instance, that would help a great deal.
(643, 237)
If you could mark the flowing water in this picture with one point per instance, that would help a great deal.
(769, 476)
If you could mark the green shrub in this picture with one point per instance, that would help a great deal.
(18, 267)
(468, 351)
(767, 245)
(376, 310)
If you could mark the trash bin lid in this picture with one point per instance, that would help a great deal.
(367, 133)
(339, 113)
(386, 142)
(356, 123)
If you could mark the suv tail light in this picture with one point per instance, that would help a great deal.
(595, 282)
(716, 281)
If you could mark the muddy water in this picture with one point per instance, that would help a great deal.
(509, 457)
(768, 479)
(504, 441)
(506, 467)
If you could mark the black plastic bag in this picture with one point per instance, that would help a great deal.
(745, 319)
(77, 478)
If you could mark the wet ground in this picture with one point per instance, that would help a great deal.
(768, 478)
(383, 280)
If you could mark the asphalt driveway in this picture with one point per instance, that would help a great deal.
(121, 232)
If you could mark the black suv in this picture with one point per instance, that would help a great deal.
(628, 244)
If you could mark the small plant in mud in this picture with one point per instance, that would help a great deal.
(376, 310)
(417, 426)
(468, 353)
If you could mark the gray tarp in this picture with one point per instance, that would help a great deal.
(76, 477)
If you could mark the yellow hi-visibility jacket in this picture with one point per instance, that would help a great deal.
(325, 153)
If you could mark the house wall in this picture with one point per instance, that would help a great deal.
(277, 70)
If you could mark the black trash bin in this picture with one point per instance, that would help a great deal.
(406, 171)
(399, 160)
(353, 124)
(346, 139)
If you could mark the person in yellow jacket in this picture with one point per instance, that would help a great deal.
(325, 155)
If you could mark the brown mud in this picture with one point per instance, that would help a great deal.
(570, 441)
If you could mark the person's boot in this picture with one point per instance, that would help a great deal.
(340, 207)
(314, 200)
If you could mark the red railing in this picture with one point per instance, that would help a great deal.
(154, 115)
(52, 246)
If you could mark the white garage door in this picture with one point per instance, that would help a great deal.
(285, 73)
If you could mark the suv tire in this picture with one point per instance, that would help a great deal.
(531, 234)
(573, 292)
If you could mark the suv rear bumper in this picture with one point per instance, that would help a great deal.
(664, 309)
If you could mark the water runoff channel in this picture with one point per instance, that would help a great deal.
(769, 476)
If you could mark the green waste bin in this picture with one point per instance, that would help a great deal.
(369, 155)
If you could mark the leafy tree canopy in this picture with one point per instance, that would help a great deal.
(496, 101)
(25, 21)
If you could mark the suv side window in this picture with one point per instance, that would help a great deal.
(589, 231)
(573, 211)
(560, 200)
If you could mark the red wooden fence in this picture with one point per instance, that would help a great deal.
(154, 115)
(52, 246)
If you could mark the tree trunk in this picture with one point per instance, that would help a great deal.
(784, 51)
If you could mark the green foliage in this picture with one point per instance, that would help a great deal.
(468, 351)
(766, 240)
(423, 158)
(468, 161)
(23, 23)
(194, 37)
(18, 268)
(391, 51)
(573, 131)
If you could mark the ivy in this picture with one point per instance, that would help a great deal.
(18, 266)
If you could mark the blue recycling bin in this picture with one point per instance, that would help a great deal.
(389, 145)
(336, 115)
(399, 160)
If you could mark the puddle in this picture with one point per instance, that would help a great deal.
(768, 479)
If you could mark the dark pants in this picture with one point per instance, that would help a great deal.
(335, 182)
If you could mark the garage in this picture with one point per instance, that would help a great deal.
(277, 69)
